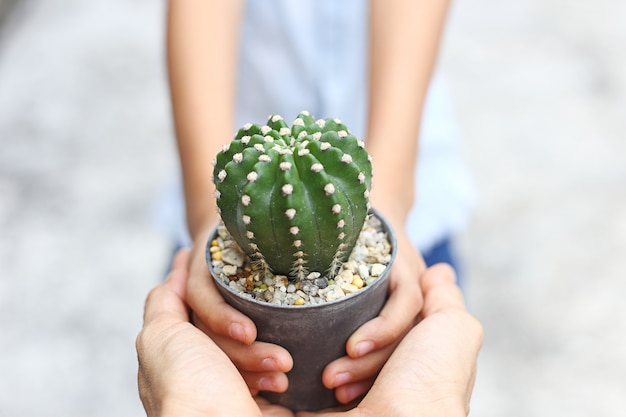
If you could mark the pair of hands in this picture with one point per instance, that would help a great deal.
(183, 372)
(263, 365)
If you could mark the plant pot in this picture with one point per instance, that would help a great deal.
(314, 335)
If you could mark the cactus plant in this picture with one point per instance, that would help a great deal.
(294, 198)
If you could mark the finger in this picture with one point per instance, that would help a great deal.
(167, 298)
(257, 357)
(395, 319)
(181, 260)
(440, 290)
(210, 308)
(177, 278)
(348, 370)
(265, 381)
(271, 410)
(345, 394)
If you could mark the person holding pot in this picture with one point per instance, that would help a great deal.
(182, 372)
(369, 63)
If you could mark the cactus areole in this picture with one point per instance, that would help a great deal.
(294, 198)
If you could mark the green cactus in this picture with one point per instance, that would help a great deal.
(294, 198)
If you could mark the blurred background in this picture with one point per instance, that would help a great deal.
(86, 148)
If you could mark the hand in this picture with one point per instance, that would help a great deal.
(433, 369)
(181, 371)
(371, 345)
(262, 365)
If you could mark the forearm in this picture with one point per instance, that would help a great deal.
(405, 37)
(201, 58)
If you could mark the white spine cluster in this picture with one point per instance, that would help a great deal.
(287, 189)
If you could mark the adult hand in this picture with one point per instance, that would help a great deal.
(432, 371)
(262, 365)
(181, 371)
(371, 345)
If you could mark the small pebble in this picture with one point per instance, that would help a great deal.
(229, 270)
(357, 281)
(223, 233)
(349, 288)
(351, 265)
(233, 257)
(331, 293)
(344, 277)
(364, 271)
(377, 270)
(309, 288)
(321, 283)
(313, 275)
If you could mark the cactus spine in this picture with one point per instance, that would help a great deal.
(294, 198)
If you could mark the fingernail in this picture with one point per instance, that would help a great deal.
(236, 332)
(363, 348)
(269, 364)
(342, 378)
(266, 384)
(353, 391)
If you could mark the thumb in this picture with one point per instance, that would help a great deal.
(168, 298)
(440, 290)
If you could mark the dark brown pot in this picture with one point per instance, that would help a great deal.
(314, 335)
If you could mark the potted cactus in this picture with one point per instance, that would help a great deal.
(294, 202)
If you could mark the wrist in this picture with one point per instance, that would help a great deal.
(393, 207)
(202, 227)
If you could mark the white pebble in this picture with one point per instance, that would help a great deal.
(349, 288)
(233, 257)
(332, 292)
(313, 275)
(229, 270)
(377, 270)
(364, 272)
(351, 265)
(344, 277)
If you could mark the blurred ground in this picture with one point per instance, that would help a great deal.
(86, 146)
